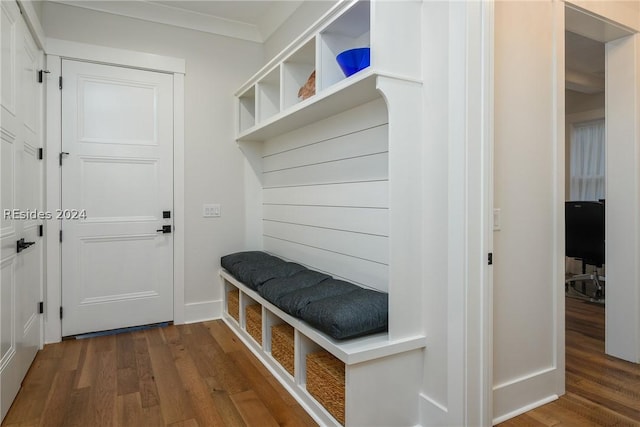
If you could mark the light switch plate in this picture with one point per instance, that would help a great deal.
(496, 219)
(211, 210)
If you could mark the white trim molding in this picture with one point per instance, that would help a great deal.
(202, 311)
(160, 13)
(523, 394)
(56, 51)
(109, 55)
(176, 17)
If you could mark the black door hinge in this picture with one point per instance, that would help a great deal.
(40, 153)
(61, 312)
(60, 82)
(41, 74)
(41, 307)
(60, 236)
(490, 258)
(41, 230)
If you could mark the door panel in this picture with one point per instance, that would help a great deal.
(21, 190)
(117, 126)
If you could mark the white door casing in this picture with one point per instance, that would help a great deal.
(117, 126)
(21, 199)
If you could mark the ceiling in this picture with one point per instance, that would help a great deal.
(584, 64)
(252, 20)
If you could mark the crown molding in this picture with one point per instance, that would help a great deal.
(168, 15)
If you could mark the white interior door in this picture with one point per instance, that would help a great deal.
(117, 128)
(21, 198)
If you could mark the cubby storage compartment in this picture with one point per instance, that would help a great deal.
(326, 382)
(253, 321)
(349, 31)
(247, 110)
(268, 95)
(233, 303)
(282, 346)
(296, 71)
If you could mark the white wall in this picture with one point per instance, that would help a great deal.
(527, 368)
(305, 15)
(215, 67)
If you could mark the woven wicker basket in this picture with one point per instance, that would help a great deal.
(233, 304)
(282, 345)
(253, 321)
(325, 382)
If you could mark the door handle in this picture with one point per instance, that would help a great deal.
(22, 245)
(165, 229)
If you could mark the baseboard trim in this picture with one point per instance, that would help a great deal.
(518, 396)
(432, 413)
(524, 409)
(202, 311)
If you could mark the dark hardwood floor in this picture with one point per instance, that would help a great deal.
(601, 390)
(179, 376)
(201, 375)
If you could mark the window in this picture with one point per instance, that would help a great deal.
(587, 166)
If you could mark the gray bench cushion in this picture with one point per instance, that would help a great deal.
(275, 288)
(357, 313)
(228, 261)
(258, 277)
(293, 302)
(243, 270)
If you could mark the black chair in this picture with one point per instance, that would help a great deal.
(584, 239)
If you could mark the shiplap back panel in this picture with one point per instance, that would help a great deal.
(326, 196)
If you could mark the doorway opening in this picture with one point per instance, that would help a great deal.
(599, 170)
(585, 173)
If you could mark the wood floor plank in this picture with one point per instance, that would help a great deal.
(78, 411)
(146, 380)
(56, 404)
(188, 423)
(216, 366)
(103, 394)
(125, 351)
(173, 401)
(253, 410)
(265, 392)
(87, 365)
(127, 381)
(127, 376)
(227, 340)
(72, 351)
(227, 409)
(129, 410)
(197, 389)
(152, 417)
(31, 399)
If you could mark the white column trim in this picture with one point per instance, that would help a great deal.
(178, 200)
(53, 286)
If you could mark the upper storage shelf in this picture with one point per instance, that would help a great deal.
(305, 84)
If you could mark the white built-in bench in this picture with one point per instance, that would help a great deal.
(383, 376)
